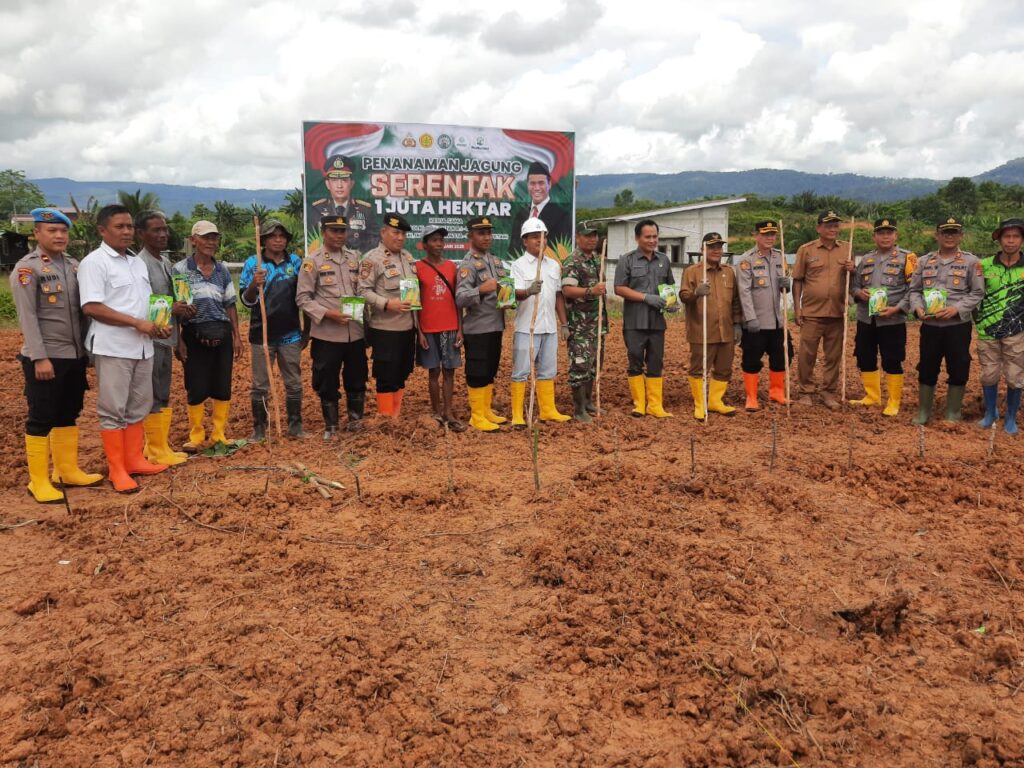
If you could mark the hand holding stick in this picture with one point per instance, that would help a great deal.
(266, 346)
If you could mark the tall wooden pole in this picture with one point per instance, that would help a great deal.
(785, 315)
(600, 336)
(266, 346)
(704, 381)
(533, 325)
(846, 317)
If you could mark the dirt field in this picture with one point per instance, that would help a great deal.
(847, 608)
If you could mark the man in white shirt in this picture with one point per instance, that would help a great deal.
(544, 293)
(114, 291)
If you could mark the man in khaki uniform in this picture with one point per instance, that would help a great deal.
(723, 308)
(819, 299)
(338, 347)
(392, 323)
(44, 284)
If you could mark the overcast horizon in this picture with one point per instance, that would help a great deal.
(198, 93)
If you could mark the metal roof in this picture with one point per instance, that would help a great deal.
(677, 209)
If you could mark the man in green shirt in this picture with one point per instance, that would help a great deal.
(1000, 322)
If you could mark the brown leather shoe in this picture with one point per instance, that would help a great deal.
(804, 400)
(829, 401)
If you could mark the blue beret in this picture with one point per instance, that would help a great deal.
(50, 216)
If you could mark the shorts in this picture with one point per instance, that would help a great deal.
(441, 351)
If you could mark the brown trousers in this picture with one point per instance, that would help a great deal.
(720, 358)
(827, 331)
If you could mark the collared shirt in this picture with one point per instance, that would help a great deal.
(1001, 313)
(211, 296)
(820, 268)
(961, 275)
(480, 312)
(45, 292)
(891, 270)
(323, 279)
(122, 284)
(380, 276)
(757, 283)
(284, 325)
(524, 270)
(641, 274)
(158, 267)
(723, 303)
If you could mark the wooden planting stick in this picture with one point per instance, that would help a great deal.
(266, 346)
(846, 317)
(785, 318)
(600, 336)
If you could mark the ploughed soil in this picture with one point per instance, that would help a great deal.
(669, 597)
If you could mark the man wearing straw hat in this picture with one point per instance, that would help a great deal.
(582, 291)
(819, 300)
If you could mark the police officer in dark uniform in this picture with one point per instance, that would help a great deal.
(45, 288)
(363, 228)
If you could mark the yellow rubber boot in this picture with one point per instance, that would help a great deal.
(654, 390)
(220, 421)
(478, 409)
(872, 389)
(155, 426)
(518, 398)
(168, 418)
(64, 447)
(37, 455)
(488, 413)
(895, 383)
(196, 431)
(638, 390)
(546, 402)
(697, 389)
(716, 391)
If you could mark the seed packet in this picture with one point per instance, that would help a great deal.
(354, 308)
(410, 291)
(668, 293)
(934, 300)
(182, 289)
(160, 310)
(878, 299)
(507, 292)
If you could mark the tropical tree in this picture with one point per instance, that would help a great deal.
(228, 216)
(18, 194)
(138, 202)
(624, 199)
(84, 236)
(202, 211)
(961, 195)
(293, 203)
(260, 211)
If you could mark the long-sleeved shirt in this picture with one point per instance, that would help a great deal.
(960, 275)
(723, 303)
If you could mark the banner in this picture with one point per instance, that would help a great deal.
(439, 176)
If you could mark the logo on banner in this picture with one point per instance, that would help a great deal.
(409, 141)
(426, 141)
(444, 141)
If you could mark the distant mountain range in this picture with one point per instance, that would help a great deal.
(593, 192)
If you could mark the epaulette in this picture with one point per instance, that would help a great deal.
(321, 201)
(363, 203)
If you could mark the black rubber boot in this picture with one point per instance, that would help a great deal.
(356, 403)
(591, 407)
(294, 408)
(579, 405)
(259, 420)
(329, 408)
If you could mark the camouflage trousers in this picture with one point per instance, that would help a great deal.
(582, 348)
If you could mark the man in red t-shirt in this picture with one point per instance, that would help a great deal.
(440, 326)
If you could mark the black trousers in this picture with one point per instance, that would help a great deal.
(645, 351)
(57, 402)
(207, 369)
(337, 361)
(888, 340)
(394, 356)
(483, 355)
(756, 345)
(952, 342)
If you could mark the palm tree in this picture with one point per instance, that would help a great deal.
(294, 203)
(229, 217)
(138, 202)
(260, 211)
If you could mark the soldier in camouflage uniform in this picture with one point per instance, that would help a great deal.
(581, 289)
(363, 228)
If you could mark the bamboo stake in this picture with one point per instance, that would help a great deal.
(266, 346)
(785, 316)
(704, 380)
(533, 325)
(600, 336)
(846, 318)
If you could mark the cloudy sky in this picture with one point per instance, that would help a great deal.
(213, 92)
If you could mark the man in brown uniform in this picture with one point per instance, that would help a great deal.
(819, 299)
(392, 323)
(718, 291)
(338, 348)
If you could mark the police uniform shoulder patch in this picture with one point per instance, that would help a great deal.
(978, 269)
(464, 273)
(365, 268)
(744, 264)
(307, 265)
(24, 275)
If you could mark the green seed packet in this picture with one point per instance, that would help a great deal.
(934, 300)
(410, 291)
(160, 310)
(182, 289)
(878, 299)
(354, 308)
(507, 292)
(668, 293)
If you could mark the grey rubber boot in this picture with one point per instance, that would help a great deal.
(926, 400)
(579, 404)
(954, 403)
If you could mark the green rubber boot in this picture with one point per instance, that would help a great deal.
(954, 403)
(926, 399)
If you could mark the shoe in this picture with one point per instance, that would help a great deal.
(547, 410)
(259, 419)
(777, 387)
(592, 409)
(654, 385)
(488, 411)
(64, 448)
(638, 389)
(134, 462)
(804, 400)
(1012, 406)
(894, 382)
(37, 455)
(926, 399)
(219, 420)
(716, 391)
(155, 449)
(386, 404)
(954, 402)
(454, 425)
(697, 390)
(991, 393)
(750, 382)
(830, 401)
(196, 431)
(478, 409)
(293, 407)
(113, 447)
(518, 399)
(872, 389)
(579, 404)
(356, 405)
(329, 409)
